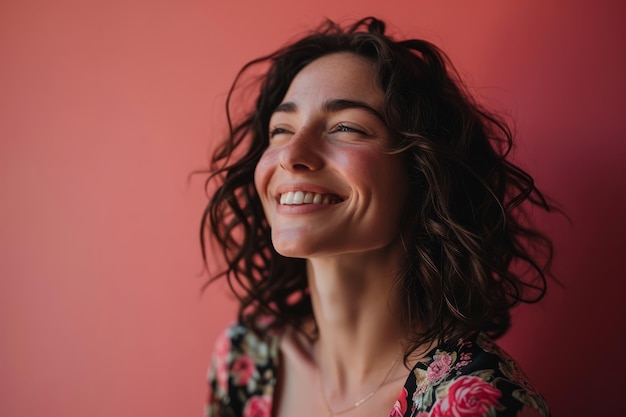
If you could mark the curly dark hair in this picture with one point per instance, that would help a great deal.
(472, 253)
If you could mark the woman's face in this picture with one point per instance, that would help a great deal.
(325, 181)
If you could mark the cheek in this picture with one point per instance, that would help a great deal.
(358, 163)
(386, 174)
(262, 173)
(262, 177)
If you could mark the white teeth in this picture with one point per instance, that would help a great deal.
(302, 197)
(298, 197)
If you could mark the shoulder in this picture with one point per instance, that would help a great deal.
(474, 378)
(243, 367)
(239, 340)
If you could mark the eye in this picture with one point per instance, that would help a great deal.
(278, 130)
(343, 127)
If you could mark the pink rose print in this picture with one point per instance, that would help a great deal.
(243, 369)
(467, 397)
(464, 359)
(439, 367)
(400, 407)
(258, 406)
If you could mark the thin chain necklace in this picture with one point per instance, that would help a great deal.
(362, 400)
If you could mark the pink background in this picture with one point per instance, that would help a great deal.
(107, 106)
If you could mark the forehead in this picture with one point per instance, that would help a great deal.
(337, 76)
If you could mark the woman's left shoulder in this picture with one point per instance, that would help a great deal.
(474, 378)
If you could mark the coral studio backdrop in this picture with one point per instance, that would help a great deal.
(107, 106)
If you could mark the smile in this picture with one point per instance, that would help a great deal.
(307, 197)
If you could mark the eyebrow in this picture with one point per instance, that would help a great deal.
(333, 106)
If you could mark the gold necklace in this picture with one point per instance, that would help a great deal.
(362, 400)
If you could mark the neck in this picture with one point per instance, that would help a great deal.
(357, 315)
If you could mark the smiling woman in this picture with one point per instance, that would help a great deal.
(369, 218)
(328, 142)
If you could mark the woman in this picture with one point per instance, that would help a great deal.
(374, 232)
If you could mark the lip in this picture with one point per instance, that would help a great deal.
(304, 208)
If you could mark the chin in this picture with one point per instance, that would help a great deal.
(291, 250)
(293, 243)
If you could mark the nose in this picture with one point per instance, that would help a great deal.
(302, 152)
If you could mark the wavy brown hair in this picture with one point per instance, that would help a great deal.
(471, 252)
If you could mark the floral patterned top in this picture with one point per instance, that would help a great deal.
(476, 379)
